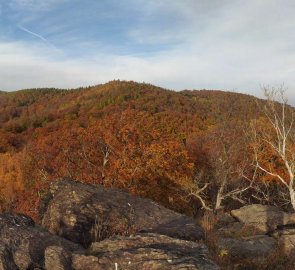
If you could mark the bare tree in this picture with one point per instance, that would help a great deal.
(197, 190)
(224, 175)
(278, 136)
(230, 164)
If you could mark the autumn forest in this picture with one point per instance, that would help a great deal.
(188, 150)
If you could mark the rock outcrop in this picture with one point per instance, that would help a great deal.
(145, 252)
(27, 246)
(257, 233)
(23, 244)
(90, 227)
(256, 248)
(88, 213)
(87, 227)
(263, 217)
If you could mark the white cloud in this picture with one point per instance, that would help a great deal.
(34, 5)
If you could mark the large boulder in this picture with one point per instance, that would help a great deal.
(58, 258)
(256, 248)
(90, 213)
(145, 252)
(23, 244)
(264, 218)
(26, 246)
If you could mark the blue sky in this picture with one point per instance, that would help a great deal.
(178, 44)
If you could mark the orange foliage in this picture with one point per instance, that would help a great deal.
(122, 134)
(266, 155)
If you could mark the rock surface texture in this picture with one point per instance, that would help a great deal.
(145, 252)
(23, 244)
(257, 248)
(264, 217)
(87, 227)
(87, 213)
(257, 234)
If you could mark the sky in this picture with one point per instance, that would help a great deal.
(234, 45)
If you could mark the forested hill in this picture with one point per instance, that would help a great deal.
(24, 111)
(133, 136)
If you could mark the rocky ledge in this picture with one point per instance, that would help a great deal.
(258, 234)
(86, 213)
(90, 227)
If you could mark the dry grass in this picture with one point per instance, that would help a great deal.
(208, 222)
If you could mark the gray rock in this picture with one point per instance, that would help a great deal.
(23, 244)
(145, 252)
(232, 229)
(87, 213)
(256, 248)
(57, 258)
(23, 258)
(6, 259)
(225, 220)
(265, 218)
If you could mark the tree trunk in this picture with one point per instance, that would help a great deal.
(219, 196)
(218, 201)
(292, 196)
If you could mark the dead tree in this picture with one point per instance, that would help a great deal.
(278, 136)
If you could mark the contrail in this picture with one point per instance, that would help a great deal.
(32, 33)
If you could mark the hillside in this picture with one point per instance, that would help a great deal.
(137, 137)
